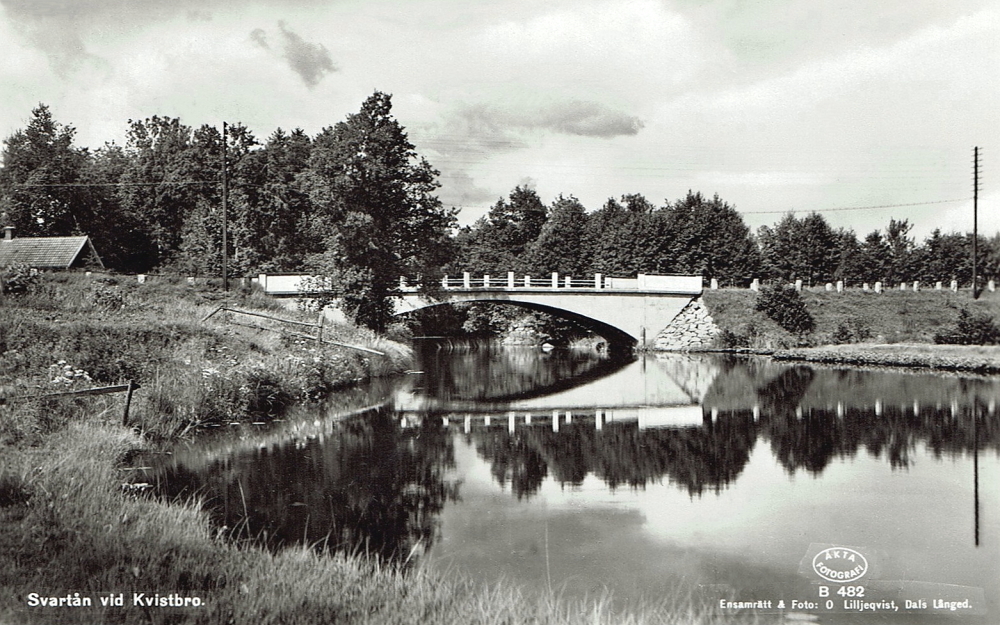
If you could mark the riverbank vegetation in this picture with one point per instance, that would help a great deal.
(855, 317)
(70, 332)
(978, 359)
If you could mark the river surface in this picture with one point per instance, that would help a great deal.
(705, 475)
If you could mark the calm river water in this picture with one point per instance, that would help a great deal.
(719, 476)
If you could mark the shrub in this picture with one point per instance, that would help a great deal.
(13, 490)
(727, 339)
(18, 279)
(108, 297)
(266, 395)
(851, 331)
(785, 306)
(860, 330)
(842, 334)
(971, 329)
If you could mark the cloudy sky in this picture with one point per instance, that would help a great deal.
(775, 105)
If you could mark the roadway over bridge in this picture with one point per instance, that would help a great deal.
(624, 310)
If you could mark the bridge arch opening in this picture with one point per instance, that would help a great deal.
(616, 338)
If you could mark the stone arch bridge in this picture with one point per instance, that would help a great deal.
(632, 311)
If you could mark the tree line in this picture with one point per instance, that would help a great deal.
(708, 237)
(358, 204)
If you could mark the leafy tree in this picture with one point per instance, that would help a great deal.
(170, 169)
(625, 238)
(199, 252)
(375, 209)
(244, 211)
(709, 237)
(874, 254)
(850, 262)
(496, 243)
(200, 249)
(41, 169)
(52, 188)
(557, 247)
(805, 249)
(947, 257)
(900, 249)
(118, 235)
(284, 236)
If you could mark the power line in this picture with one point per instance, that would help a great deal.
(853, 208)
(797, 210)
(113, 184)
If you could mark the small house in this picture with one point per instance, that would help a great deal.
(48, 252)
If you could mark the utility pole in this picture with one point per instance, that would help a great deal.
(225, 202)
(975, 221)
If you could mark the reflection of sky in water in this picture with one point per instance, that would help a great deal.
(752, 535)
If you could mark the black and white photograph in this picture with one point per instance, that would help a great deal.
(498, 312)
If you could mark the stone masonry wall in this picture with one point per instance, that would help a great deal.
(692, 327)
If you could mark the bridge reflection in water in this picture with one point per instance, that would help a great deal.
(676, 390)
(667, 393)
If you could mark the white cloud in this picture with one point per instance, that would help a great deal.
(622, 46)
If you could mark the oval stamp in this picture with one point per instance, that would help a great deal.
(840, 564)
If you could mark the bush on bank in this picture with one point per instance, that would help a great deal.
(971, 328)
(785, 306)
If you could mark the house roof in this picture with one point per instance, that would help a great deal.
(45, 252)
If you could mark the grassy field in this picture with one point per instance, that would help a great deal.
(853, 316)
(71, 527)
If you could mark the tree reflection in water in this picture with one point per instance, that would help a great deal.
(801, 436)
(694, 458)
(370, 485)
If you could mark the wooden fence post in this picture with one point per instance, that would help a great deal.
(128, 402)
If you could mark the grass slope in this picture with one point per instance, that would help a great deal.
(850, 317)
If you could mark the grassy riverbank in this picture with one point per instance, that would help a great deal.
(981, 359)
(70, 524)
(72, 332)
(852, 317)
